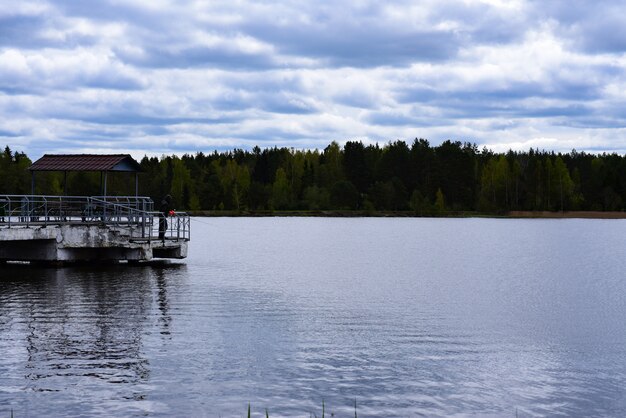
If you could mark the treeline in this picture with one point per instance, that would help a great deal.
(14, 174)
(425, 179)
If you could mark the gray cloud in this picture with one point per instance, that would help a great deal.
(579, 90)
(360, 46)
(22, 31)
(387, 118)
(105, 78)
(595, 27)
(103, 10)
(9, 134)
(197, 56)
(142, 120)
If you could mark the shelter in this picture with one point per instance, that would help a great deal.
(87, 162)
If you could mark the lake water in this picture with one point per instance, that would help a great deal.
(409, 317)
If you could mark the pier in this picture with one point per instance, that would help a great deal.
(65, 229)
(79, 229)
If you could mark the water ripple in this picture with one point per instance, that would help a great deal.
(404, 315)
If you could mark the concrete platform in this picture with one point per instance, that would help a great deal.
(83, 243)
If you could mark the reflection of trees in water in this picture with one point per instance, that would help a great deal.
(83, 324)
(165, 319)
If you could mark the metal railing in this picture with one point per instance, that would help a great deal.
(131, 216)
(173, 227)
(141, 203)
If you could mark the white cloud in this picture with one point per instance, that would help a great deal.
(23, 8)
(61, 69)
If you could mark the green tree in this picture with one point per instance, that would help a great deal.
(563, 183)
(295, 168)
(356, 167)
(235, 181)
(381, 195)
(440, 204)
(316, 198)
(331, 168)
(259, 195)
(343, 195)
(488, 189)
(14, 175)
(181, 180)
(281, 191)
(420, 204)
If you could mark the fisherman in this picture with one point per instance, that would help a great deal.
(3, 203)
(164, 210)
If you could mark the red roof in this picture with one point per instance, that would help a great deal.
(86, 162)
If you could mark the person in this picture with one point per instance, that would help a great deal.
(3, 203)
(164, 210)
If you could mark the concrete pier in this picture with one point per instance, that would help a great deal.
(95, 229)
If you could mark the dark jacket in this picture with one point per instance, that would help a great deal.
(166, 205)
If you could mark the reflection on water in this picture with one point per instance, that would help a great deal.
(410, 317)
(164, 318)
(78, 332)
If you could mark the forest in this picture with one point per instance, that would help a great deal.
(415, 178)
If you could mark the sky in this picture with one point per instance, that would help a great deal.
(153, 77)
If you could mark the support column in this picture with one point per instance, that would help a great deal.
(104, 208)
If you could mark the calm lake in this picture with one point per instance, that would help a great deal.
(410, 317)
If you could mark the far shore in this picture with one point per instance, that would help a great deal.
(409, 214)
(562, 215)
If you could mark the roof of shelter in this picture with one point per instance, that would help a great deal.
(86, 162)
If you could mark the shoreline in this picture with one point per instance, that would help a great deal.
(581, 214)
(408, 214)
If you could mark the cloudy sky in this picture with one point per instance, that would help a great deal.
(170, 76)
